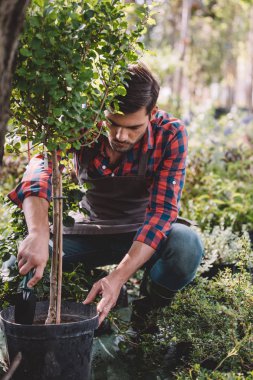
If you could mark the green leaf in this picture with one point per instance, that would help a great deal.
(121, 90)
(9, 148)
(57, 112)
(40, 3)
(25, 52)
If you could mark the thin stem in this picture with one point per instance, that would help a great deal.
(51, 318)
(28, 145)
(59, 282)
(14, 365)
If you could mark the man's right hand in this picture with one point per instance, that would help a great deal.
(33, 253)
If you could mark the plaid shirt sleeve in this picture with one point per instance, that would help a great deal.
(166, 190)
(35, 182)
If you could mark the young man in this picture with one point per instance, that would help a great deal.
(136, 175)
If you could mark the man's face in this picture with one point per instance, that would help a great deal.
(124, 131)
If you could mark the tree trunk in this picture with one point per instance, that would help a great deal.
(250, 47)
(12, 14)
(184, 40)
(54, 310)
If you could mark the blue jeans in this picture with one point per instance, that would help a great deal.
(172, 266)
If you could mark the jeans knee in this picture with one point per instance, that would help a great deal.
(183, 242)
(179, 260)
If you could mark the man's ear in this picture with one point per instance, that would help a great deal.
(153, 112)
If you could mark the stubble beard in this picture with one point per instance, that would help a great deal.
(120, 149)
(126, 147)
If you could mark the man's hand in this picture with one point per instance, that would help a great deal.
(33, 254)
(33, 251)
(109, 287)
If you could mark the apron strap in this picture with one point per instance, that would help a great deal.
(143, 164)
(88, 155)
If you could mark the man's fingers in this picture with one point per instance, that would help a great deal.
(37, 277)
(104, 307)
(104, 304)
(104, 312)
(96, 288)
(25, 268)
(21, 262)
(102, 316)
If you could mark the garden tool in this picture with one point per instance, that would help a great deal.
(25, 302)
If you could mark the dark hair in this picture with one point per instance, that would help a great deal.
(142, 90)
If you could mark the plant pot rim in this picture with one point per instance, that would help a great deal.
(5, 317)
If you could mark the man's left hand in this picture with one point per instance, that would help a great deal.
(109, 287)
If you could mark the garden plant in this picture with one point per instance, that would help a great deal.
(71, 65)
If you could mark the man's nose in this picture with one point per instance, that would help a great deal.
(121, 134)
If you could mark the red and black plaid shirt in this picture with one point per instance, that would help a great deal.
(166, 138)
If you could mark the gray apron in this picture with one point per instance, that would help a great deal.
(114, 204)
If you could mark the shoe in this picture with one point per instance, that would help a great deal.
(159, 295)
(155, 297)
(140, 322)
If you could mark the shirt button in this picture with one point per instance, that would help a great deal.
(112, 175)
(103, 167)
(174, 182)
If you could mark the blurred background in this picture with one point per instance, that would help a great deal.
(203, 52)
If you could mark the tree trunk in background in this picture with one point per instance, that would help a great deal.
(12, 13)
(231, 81)
(250, 47)
(184, 40)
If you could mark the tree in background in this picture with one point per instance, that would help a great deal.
(205, 55)
(12, 13)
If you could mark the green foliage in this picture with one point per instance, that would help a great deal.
(222, 246)
(218, 187)
(210, 321)
(198, 373)
(76, 284)
(214, 318)
(71, 64)
(212, 198)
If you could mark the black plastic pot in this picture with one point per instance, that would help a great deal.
(52, 352)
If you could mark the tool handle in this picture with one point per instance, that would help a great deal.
(25, 280)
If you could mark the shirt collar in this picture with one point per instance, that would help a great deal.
(148, 139)
(150, 135)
